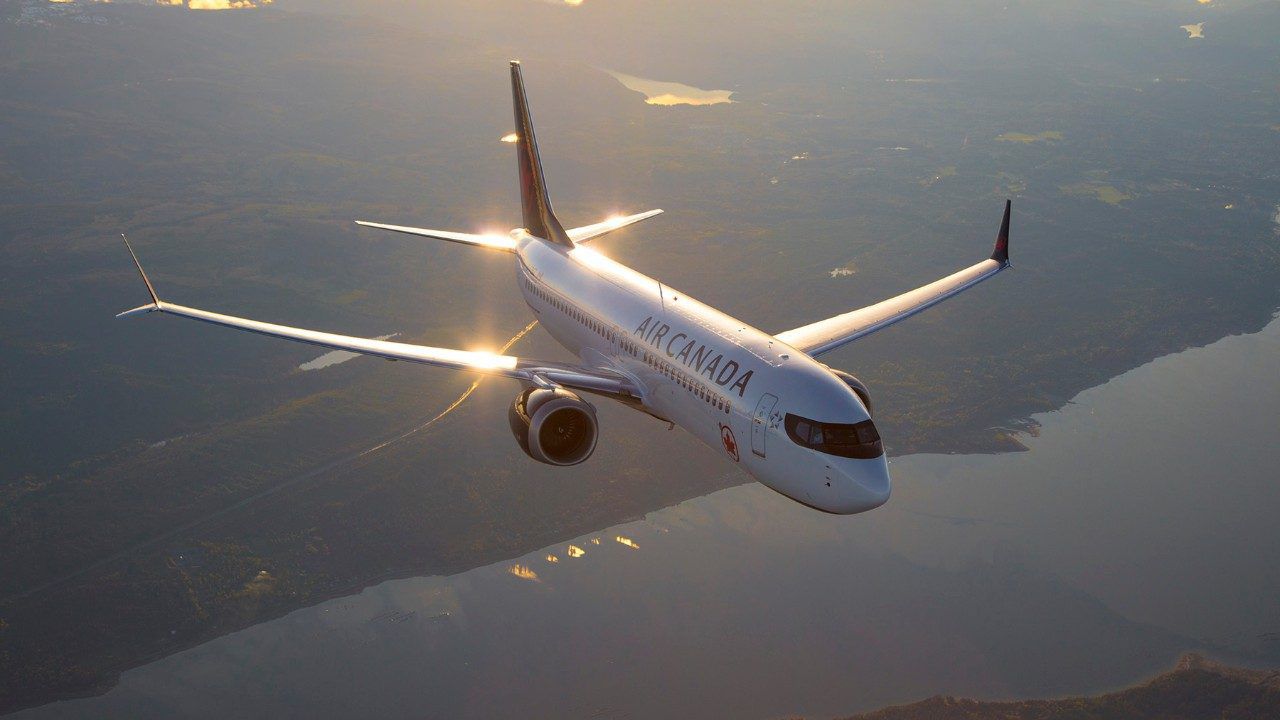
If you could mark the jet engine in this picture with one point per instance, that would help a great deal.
(553, 425)
(858, 387)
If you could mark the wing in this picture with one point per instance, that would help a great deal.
(594, 379)
(827, 335)
(494, 241)
(591, 232)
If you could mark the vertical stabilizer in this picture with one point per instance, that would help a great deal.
(539, 219)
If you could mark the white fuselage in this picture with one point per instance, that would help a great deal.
(727, 383)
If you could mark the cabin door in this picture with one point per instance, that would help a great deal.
(760, 423)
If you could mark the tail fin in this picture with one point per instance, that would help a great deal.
(539, 219)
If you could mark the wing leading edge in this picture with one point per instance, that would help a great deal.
(826, 335)
(531, 371)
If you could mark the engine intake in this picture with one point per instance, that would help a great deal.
(858, 387)
(554, 426)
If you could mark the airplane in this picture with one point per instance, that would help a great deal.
(766, 401)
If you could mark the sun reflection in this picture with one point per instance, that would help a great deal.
(510, 138)
(716, 97)
(596, 541)
(575, 552)
(225, 4)
(523, 572)
(627, 541)
(658, 92)
(553, 559)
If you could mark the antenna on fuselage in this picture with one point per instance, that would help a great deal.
(539, 219)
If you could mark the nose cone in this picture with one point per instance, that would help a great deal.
(865, 485)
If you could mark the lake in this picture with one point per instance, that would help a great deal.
(1140, 523)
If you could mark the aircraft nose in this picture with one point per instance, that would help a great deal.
(866, 484)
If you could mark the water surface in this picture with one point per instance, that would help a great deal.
(658, 92)
(1141, 523)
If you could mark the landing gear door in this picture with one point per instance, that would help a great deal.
(760, 423)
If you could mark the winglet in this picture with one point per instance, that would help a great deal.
(1001, 253)
(539, 219)
(155, 300)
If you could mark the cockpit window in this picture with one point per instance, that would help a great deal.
(856, 440)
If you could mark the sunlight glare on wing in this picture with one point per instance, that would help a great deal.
(510, 138)
(498, 239)
(575, 552)
(590, 257)
(486, 360)
(627, 541)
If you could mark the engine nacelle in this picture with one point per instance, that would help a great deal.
(554, 426)
(858, 387)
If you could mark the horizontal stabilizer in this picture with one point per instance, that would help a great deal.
(492, 240)
(590, 232)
